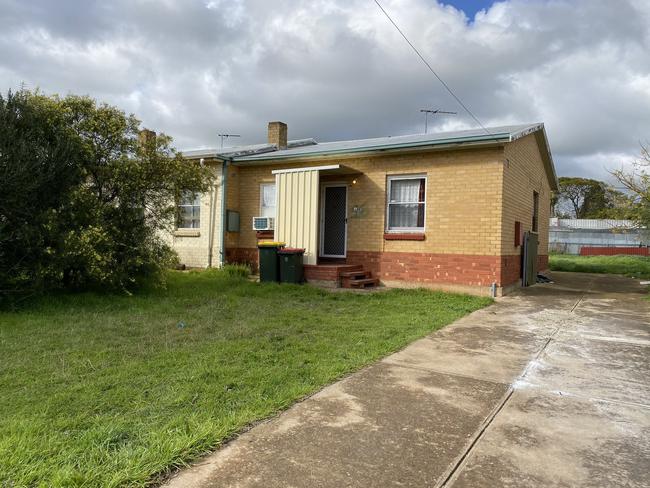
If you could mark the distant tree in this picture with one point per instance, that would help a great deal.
(619, 205)
(637, 181)
(585, 198)
(84, 196)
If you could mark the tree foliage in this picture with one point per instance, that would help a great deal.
(585, 198)
(39, 166)
(637, 181)
(83, 197)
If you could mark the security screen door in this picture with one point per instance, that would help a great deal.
(334, 221)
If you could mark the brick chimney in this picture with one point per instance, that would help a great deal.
(146, 137)
(278, 134)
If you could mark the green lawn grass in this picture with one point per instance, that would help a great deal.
(103, 390)
(633, 266)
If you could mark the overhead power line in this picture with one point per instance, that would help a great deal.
(426, 63)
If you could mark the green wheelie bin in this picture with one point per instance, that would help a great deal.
(291, 270)
(269, 269)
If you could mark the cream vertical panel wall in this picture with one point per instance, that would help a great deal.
(297, 211)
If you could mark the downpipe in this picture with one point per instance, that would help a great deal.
(224, 196)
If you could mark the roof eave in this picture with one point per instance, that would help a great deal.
(524, 132)
(542, 140)
(493, 139)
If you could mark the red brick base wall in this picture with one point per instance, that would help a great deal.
(613, 251)
(456, 269)
(425, 268)
(542, 263)
(321, 273)
(510, 269)
(242, 255)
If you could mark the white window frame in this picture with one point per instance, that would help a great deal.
(262, 185)
(182, 205)
(403, 230)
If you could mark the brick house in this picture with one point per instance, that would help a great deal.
(445, 210)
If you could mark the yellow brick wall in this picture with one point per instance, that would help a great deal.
(473, 198)
(193, 250)
(463, 212)
(524, 173)
(231, 239)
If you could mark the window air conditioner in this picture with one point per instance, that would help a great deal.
(263, 223)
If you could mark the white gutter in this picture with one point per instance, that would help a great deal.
(310, 168)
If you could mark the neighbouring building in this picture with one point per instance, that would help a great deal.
(444, 210)
(597, 236)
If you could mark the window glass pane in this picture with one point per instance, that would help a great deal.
(406, 215)
(189, 211)
(267, 200)
(268, 195)
(190, 199)
(411, 190)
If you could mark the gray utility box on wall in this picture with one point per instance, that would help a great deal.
(232, 221)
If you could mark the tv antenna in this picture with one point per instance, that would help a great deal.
(427, 111)
(226, 136)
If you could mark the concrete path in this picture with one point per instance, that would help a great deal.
(546, 388)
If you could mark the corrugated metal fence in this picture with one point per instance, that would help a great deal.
(569, 236)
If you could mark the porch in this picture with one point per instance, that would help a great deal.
(312, 211)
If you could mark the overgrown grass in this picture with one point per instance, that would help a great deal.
(115, 390)
(633, 266)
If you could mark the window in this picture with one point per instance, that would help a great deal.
(535, 211)
(406, 203)
(267, 200)
(189, 211)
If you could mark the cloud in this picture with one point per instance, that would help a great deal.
(338, 69)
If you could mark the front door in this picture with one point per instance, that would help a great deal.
(334, 221)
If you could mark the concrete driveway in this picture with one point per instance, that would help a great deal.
(546, 388)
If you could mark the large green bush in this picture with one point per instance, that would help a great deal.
(83, 197)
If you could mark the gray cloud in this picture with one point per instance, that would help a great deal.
(337, 69)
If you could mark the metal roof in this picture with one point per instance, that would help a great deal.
(592, 224)
(496, 134)
(309, 148)
(239, 151)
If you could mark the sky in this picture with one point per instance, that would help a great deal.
(337, 69)
(470, 7)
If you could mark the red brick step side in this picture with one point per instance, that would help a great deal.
(328, 272)
(343, 275)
